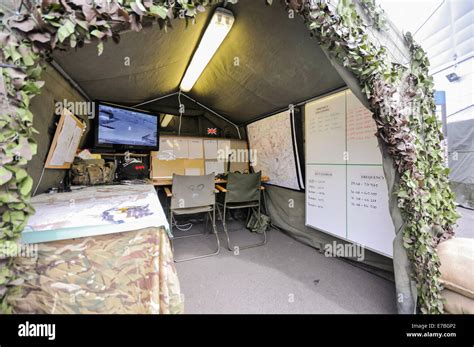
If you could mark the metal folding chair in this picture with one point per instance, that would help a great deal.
(191, 195)
(242, 191)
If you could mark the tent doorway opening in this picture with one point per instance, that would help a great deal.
(267, 62)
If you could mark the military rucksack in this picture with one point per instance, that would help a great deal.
(257, 225)
(92, 171)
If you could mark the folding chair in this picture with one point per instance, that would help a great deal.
(242, 191)
(191, 195)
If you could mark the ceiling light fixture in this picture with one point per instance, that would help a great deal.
(220, 25)
(166, 120)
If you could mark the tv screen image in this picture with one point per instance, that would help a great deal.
(120, 126)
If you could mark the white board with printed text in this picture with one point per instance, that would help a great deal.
(346, 191)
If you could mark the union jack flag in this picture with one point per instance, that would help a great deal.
(211, 131)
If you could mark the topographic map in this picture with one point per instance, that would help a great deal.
(271, 147)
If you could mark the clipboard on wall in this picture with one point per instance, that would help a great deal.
(65, 142)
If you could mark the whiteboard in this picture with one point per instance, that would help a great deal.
(368, 216)
(346, 191)
(324, 194)
(325, 123)
(362, 144)
(272, 149)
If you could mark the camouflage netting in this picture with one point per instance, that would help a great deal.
(399, 93)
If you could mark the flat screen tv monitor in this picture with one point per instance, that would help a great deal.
(123, 128)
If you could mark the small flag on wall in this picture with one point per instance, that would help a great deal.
(211, 131)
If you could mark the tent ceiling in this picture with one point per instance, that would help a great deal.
(279, 64)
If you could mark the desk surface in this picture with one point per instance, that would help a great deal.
(93, 211)
(169, 181)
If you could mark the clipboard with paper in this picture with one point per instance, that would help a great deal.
(65, 142)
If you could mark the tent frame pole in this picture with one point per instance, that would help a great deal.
(215, 113)
(197, 103)
(155, 99)
(69, 79)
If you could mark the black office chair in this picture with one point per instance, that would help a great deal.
(191, 195)
(242, 191)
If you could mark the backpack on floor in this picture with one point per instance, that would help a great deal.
(257, 226)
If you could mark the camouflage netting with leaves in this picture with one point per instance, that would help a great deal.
(28, 37)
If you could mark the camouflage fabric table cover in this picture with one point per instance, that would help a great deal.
(128, 272)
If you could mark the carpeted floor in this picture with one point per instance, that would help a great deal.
(284, 276)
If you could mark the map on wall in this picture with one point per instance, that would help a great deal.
(272, 150)
(346, 191)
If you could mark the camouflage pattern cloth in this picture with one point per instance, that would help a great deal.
(92, 171)
(128, 272)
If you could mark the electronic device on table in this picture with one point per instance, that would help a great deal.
(121, 128)
(130, 169)
(124, 129)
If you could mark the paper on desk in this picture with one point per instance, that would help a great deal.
(60, 152)
(70, 134)
(223, 147)
(166, 151)
(74, 144)
(214, 166)
(195, 149)
(181, 148)
(166, 144)
(58, 156)
(86, 154)
(191, 171)
(210, 149)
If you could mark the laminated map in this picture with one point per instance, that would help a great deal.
(272, 150)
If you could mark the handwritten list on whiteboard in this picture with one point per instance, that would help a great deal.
(325, 122)
(362, 144)
(368, 218)
(324, 194)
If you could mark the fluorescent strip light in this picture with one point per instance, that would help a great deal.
(166, 120)
(220, 25)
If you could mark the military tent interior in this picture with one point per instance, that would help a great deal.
(267, 62)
